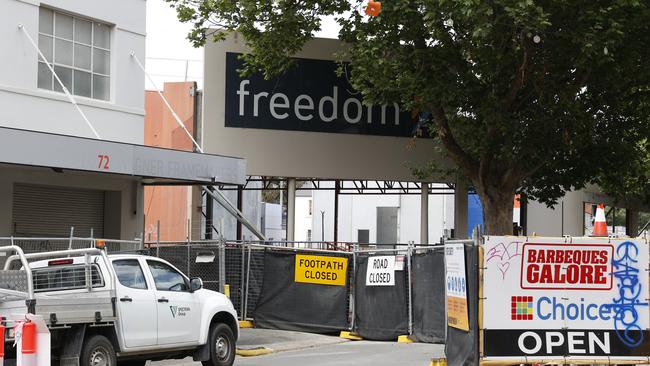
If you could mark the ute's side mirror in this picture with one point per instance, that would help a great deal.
(196, 284)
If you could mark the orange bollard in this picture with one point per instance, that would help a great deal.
(28, 344)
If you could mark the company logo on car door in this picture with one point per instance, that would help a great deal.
(179, 310)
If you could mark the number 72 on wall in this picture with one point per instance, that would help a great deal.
(103, 162)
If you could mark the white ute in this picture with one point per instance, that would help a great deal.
(125, 309)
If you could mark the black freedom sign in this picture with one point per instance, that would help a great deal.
(309, 97)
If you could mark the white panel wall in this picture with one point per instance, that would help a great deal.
(360, 212)
(303, 219)
(23, 105)
(565, 218)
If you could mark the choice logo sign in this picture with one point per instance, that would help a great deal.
(308, 97)
(566, 266)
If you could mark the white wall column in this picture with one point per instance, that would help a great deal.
(424, 213)
(460, 208)
(291, 209)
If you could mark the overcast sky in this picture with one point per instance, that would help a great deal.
(170, 56)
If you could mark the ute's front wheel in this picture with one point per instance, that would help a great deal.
(222, 346)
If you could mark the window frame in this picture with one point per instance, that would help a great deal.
(144, 276)
(186, 280)
(53, 84)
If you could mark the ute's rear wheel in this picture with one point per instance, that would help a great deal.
(222, 346)
(98, 351)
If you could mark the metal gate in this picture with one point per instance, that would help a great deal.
(51, 211)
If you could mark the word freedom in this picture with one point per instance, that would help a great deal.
(305, 108)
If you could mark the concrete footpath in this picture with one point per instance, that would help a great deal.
(283, 340)
(281, 347)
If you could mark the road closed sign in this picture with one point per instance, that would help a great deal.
(381, 271)
(321, 270)
(566, 299)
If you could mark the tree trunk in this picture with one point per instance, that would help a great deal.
(498, 204)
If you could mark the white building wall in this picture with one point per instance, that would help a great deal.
(273, 222)
(567, 216)
(304, 219)
(25, 106)
(360, 212)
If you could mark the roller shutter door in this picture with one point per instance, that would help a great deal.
(51, 211)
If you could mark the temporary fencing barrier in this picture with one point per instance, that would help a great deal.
(381, 312)
(286, 303)
(262, 281)
(428, 290)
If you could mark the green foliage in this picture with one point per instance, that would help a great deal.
(535, 96)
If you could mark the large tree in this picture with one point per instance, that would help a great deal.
(529, 96)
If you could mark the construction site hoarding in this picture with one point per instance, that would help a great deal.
(565, 299)
(308, 122)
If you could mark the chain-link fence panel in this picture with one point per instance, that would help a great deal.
(204, 263)
(254, 279)
(177, 255)
(235, 262)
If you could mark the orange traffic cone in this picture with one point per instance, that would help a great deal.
(374, 8)
(600, 223)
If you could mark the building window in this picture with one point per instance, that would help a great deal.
(79, 51)
(311, 207)
(308, 235)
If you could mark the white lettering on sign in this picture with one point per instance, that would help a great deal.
(553, 342)
(380, 271)
(304, 106)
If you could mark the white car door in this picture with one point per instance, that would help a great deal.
(136, 304)
(179, 310)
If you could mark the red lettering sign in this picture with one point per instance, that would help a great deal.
(566, 266)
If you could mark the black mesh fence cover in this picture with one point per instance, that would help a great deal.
(381, 312)
(289, 305)
(428, 273)
(461, 347)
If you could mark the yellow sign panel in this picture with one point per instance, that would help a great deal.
(457, 313)
(321, 270)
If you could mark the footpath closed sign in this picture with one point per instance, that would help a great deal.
(381, 271)
(566, 299)
(321, 270)
(457, 315)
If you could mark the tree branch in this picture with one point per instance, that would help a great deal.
(520, 78)
(469, 165)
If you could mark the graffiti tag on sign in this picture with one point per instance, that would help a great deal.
(321, 270)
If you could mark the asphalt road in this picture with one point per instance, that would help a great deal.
(358, 353)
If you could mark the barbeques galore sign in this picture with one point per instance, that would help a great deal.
(547, 298)
(309, 97)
